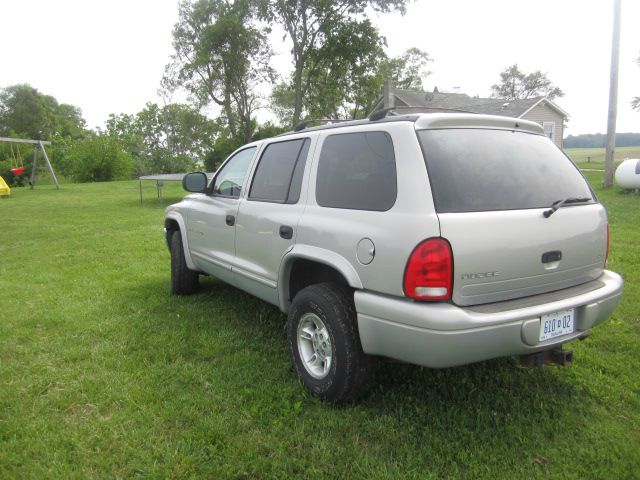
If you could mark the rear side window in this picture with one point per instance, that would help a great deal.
(278, 177)
(357, 171)
(475, 170)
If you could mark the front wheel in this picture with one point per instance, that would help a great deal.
(325, 345)
(183, 280)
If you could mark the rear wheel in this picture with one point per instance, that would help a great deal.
(183, 280)
(325, 345)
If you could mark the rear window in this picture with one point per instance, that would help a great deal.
(473, 170)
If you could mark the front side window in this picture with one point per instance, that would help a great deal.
(357, 171)
(278, 177)
(228, 182)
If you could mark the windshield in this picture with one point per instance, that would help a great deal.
(475, 170)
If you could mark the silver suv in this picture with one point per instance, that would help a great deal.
(435, 239)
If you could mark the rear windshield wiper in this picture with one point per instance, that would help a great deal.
(559, 203)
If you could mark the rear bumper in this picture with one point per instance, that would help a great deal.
(444, 335)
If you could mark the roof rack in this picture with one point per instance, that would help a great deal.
(382, 113)
(302, 125)
(347, 123)
(375, 116)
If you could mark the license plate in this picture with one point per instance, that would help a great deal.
(556, 324)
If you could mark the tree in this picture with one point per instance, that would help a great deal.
(98, 158)
(342, 71)
(635, 103)
(408, 70)
(348, 83)
(168, 139)
(225, 144)
(312, 26)
(515, 85)
(220, 57)
(27, 113)
(599, 140)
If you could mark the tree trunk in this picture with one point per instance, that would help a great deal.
(229, 113)
(297, 88)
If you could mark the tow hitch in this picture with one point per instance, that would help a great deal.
(555, 356)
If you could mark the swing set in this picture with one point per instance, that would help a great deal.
(17, 167)
(16, 162)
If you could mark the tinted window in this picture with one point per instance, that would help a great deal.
(357, 171)
(482, 170)
(278, 177)
(229, 180)
(296, 179)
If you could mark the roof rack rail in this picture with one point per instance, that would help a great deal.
(302, 125)
(382, 113)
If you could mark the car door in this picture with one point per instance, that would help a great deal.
(211, 224)
(268, 217)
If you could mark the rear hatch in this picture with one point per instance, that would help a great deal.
(491, 188)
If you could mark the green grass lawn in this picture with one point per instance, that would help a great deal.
(103, 374)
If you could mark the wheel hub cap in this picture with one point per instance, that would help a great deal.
(314, 345)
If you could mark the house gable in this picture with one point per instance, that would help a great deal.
(538, 109)
(544, 113)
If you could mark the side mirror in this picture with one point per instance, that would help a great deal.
(195, 182)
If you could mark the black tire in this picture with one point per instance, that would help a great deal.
(350, 372)
(183, 280)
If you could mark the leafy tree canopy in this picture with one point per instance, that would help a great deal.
(225, 144)
(27, 113)
(599, 140)
(326, 36)
(168, 139)
(341, 73)
(408, 70)
(515, 85)
(97, 158)
(344, 87)
(220, 56)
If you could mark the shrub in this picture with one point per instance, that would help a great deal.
(162, 161)
(98, 158)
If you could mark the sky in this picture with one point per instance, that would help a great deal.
(109, 57)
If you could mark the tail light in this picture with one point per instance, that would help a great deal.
(429, 271)
(606, 256)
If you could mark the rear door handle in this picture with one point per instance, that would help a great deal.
(231, 220)
(286, 232)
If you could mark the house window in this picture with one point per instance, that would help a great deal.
(550, 130)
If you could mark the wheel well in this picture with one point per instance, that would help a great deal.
(307, 272)
(171, 225)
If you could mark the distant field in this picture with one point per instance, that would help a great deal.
(595, 156)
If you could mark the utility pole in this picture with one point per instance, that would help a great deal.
(613, 96)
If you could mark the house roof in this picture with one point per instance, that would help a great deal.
(461, 102)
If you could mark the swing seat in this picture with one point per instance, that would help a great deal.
(5, 191)
(17, 171)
